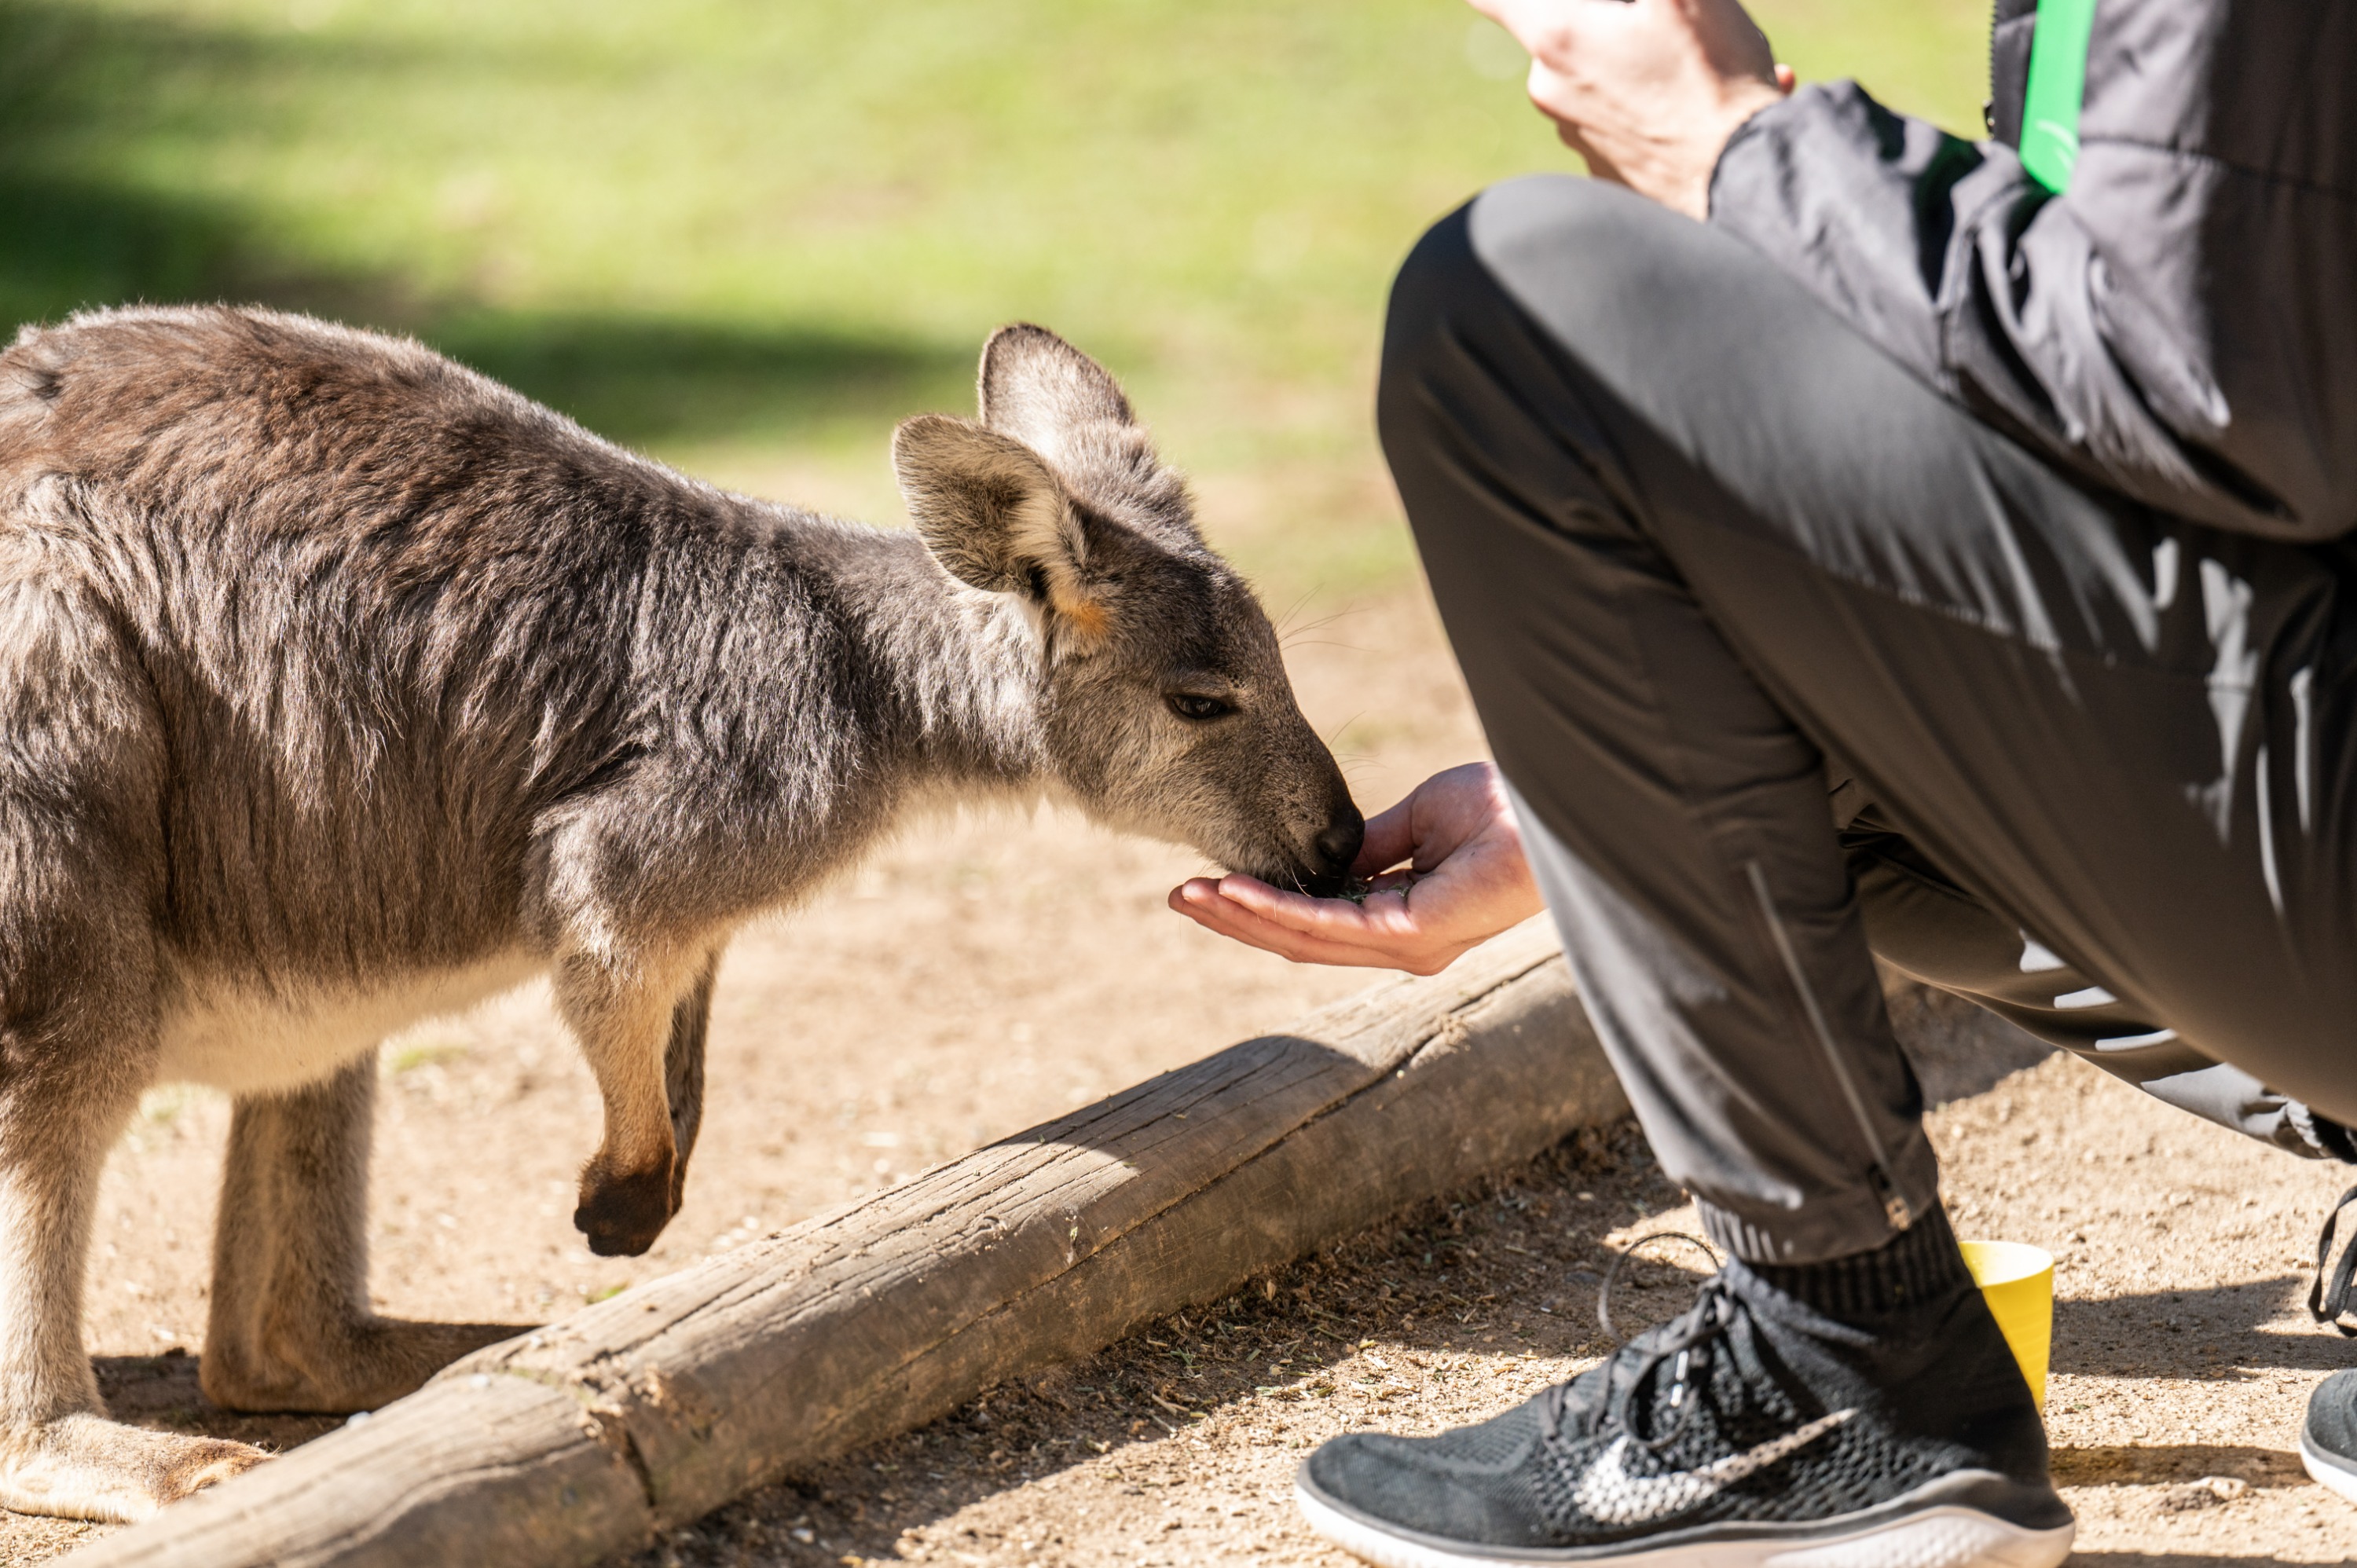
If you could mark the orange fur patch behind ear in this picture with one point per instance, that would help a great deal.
(1087, 615)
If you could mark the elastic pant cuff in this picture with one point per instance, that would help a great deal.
(1831, 1224)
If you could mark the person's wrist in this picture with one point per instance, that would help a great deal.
(1690, 191)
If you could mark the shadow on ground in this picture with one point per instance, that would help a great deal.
(2209, 1333)
(2157, 1464)
(86, 97)
(161, 1392)
(1956, 1049)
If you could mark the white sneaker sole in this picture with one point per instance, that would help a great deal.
(1940, 1537)
(2326, 1473)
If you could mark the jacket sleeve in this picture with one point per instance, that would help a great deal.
(2232, 1098)
(2175, 328)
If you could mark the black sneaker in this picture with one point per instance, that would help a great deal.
(2328, 1440)
(1752, 1430)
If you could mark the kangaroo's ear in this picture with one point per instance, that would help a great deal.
(993, 515)
(1036, 387)
(1059, 402)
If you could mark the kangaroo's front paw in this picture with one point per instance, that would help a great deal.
(86, 1467)
(623, 1212)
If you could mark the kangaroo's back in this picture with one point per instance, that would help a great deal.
(372, 595)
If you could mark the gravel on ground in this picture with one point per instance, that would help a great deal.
(2183, 1359)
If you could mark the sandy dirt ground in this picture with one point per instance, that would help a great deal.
(2182, 1360)
(980, 976)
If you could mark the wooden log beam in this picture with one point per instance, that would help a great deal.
(649, 1408)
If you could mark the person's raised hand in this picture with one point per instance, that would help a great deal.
(1464, 881)
(1647, 91)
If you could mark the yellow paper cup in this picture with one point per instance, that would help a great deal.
(2018, 1283)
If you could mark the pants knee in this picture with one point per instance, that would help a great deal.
(1511, 239)
(1439, 276)
(1543, 258)
(1473, 379)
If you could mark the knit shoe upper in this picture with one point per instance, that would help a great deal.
(1750, 1416)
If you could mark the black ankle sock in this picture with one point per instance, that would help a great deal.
(1918, 1265)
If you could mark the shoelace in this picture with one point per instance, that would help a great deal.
(2329, 1302)
(1686, 1338)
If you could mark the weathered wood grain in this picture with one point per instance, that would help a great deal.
(651, 1408)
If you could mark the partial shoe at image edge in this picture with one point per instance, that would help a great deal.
(1935, 1526)
(2328, 1438)
(2328, 1470)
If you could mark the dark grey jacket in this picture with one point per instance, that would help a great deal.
(2180, 325)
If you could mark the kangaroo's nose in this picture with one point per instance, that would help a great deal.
(1340, 843)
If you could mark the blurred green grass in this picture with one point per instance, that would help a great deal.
(747, 235)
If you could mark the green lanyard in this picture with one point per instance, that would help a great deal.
(2058, 79)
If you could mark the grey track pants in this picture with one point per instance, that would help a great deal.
(1789, 660)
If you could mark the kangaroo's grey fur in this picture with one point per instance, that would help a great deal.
(340, 686)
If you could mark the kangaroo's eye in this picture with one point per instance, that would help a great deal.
(1188, 705)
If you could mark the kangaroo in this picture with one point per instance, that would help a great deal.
(340, 686)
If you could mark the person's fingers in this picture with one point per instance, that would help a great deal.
(1557, 30)
(1511, 14)
(1375, 921)
(1290, 922)
(1730, 39)
(1471, 882)
(1391, 838)
(1434, 818)
(1520, 16)
(1234, 920)
(1300, 949)
(1215, 903)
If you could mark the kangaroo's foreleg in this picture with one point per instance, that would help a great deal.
(290, 1325)
(628, 1017)
(691, 1023)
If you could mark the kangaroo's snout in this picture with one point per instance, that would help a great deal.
(1339, 845)
(1330, 852)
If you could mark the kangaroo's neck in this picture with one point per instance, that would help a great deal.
(959, 674)
(902, 682)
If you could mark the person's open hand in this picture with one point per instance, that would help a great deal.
(1464, 881)
(1647, 91)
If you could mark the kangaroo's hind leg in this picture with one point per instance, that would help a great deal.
(291, 1327)
(58, 1452)
(80, 878)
